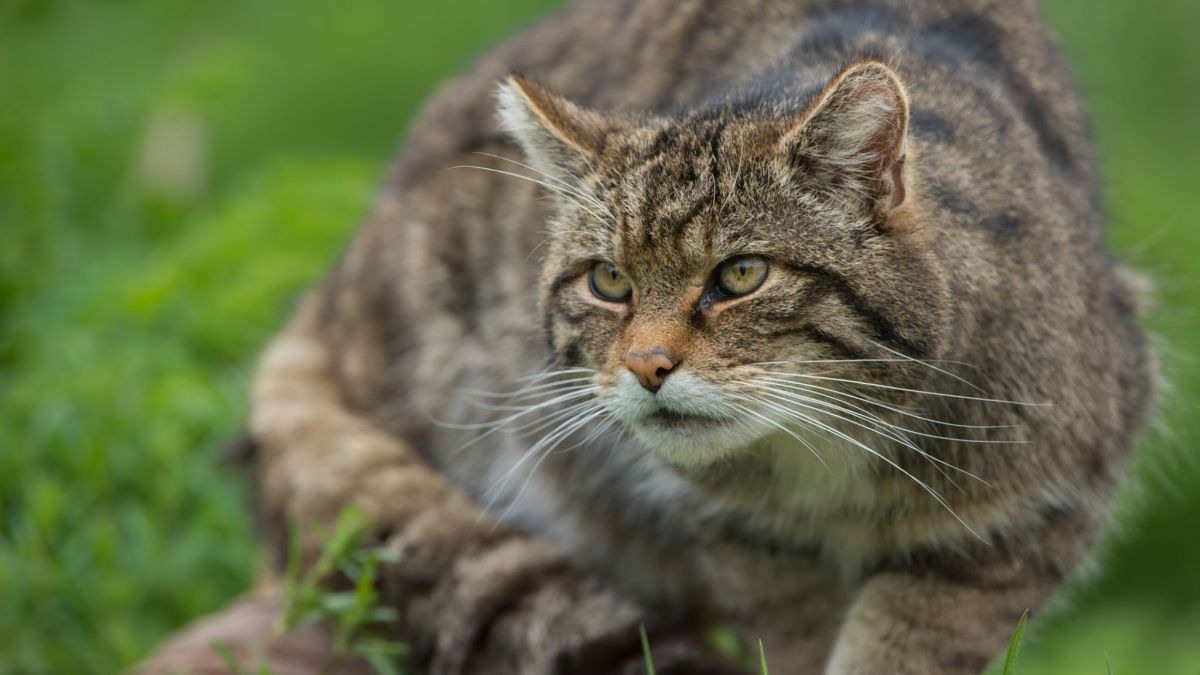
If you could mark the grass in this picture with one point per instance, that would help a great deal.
(339, 588)
(646, 650)
(135, 292)
(1014, 646)
(358, 619)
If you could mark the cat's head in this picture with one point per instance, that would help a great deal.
(719, 269)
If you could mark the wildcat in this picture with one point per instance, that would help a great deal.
(815, 334)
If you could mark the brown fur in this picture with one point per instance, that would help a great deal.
(919, 177)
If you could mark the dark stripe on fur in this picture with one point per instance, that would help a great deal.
(883, 328)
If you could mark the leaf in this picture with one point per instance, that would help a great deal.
(337, 603)
(384, 615)
(381, 646)
(227, 656)
(762, 659)
(1014, 646)
(388, 555)
(646, 650)
(381, 663)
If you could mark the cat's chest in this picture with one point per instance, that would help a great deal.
(818, 475)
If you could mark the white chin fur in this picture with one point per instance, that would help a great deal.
(683, 393)
(693, 449)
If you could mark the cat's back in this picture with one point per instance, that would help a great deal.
(971, 66)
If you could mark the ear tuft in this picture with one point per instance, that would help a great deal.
(857, 129)
(557, 136)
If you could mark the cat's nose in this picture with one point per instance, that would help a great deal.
(651, 367)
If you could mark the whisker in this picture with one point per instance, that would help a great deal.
(805, 419)
(838, 413)
(927, 364)
(737, 174)
(574, 189)
(562, 419)
(523, 410)
(869, 360)
(832, 396)
(565, 195)
(890, 431)
(554, 373)
(543, 448)
(911, 391)
(509, 407)
(524, 392)
(858, 396)
(770, 422)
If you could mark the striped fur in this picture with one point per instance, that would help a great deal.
(919, 176)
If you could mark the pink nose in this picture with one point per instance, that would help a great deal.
(651, 367)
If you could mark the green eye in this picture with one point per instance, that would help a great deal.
(741, 275)
(609, 283)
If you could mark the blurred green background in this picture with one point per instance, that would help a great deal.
(173, 172)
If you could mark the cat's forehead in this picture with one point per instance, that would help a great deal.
(680, 193)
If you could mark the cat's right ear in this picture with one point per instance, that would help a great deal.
(852, 139)
(558, 137)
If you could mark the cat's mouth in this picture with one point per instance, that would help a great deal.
(671, 420)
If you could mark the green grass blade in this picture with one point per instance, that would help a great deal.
(762, 659)
(228, 658)
(1014, 646)
(646, 650)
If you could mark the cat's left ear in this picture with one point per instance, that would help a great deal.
(852, 139)
(559, 137)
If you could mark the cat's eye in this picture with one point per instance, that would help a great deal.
(609, 283)
(741, 275)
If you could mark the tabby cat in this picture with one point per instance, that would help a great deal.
(788, 314)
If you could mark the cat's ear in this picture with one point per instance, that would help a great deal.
(559, 137)
(853, 137)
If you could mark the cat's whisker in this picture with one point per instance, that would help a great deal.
(773, 423)
(545, 454)
(737, 175)
(865, 360)
(554, 373)
(477, 398)
(539, 425)
(521, 410)
(874, 360)
(923, 392)
(859, 396)
(560, 420)
(817, 424)
(832, 396)
(527, 392)
(889, 430)
(563, 193)
(927, 364)
(840, 414)
(574, 189)
(532, 426)
(542, 449)
(564, 233)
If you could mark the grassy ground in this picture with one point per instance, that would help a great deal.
(134, 293)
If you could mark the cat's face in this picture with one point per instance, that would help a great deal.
(717, 271)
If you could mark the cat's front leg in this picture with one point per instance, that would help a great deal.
(941, 620)
(951, 612)
(791, 603)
